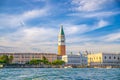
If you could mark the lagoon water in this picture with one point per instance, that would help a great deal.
(59, 74)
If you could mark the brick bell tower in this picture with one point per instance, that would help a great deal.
(61, 42)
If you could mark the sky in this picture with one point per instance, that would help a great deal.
(33, 25)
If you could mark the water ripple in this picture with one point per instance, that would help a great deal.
(59, 74)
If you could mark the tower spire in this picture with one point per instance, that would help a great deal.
(61, 30)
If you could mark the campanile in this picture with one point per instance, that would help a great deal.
(61, 42)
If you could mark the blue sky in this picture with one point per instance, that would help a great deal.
(33, 25)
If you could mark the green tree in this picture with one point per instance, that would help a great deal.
(34, 62)
(4, 59)
(38, 61)
(10, 59)
(45, 60)
(58, 62)
(1, 61)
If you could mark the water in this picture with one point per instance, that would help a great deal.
(59, 74)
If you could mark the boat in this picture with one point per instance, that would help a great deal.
(68, 67)
(108, 67)
(1, 65)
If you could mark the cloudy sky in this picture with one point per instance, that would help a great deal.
(33, 25)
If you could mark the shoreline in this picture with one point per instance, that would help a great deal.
(52, 66)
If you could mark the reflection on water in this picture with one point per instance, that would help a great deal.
(59, 74)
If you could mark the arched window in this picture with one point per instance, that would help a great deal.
(109, 57)
(114, 57)
(99, 57)
(105, 57)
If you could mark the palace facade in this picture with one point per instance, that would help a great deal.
(75, 60)
(104, 59)
(22, 58)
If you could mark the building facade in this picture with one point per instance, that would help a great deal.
(75, 60)
(61, 42)
(105, 59)
(22, 58)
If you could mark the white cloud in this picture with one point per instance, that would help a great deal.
(94, 48)
(28, 49)
(101, 14)
(93, 8)
(83, 28)
(30, 35)
(101, 24)
(34, 13)
(88, 5)
(9, 21)
(74, 29)
(12, 21)
(25, 39)
(39, 33)
(77, 39)
(112, 37)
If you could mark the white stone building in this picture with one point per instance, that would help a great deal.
(75, 60)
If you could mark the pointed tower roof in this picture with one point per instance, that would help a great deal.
(61, 30)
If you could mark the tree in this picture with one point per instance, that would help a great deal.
(58, 62)
(4, 59)
(38, 61)
(45, 60)
(1, 61)
(35, 62)
(10, 59)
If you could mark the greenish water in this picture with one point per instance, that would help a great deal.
(59, 74)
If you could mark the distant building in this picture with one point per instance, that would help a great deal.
(61, 42)
(75, 60)
(104, 59)
(22, 58)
